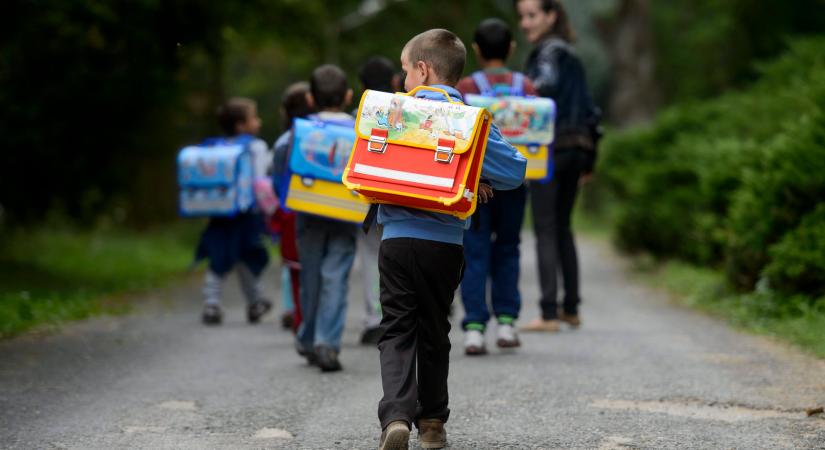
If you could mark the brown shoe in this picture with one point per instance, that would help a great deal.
(395, 437)
(542, 326)
(570, 319)
(431, 433)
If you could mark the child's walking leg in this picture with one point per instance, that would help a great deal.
(212, 289)
(250, 285)
(312, 237)
(399, 325)
(257, 305)
(418, 279)
(368, 246)
(440, 267)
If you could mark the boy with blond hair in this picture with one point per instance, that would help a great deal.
(421, 262)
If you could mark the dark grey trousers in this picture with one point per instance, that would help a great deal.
(552, 206)
(418, 280)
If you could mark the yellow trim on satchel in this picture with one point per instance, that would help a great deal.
(537, 161)
(326, 198)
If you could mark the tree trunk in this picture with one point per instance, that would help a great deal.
(628, 37)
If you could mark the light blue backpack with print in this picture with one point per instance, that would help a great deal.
(216, 177)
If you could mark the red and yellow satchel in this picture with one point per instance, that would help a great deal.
(418, 153)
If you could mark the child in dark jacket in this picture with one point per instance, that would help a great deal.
(421, 263)
(235, 242)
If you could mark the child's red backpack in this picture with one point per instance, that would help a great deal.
(418, 153)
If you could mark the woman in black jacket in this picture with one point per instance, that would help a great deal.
(557, 73)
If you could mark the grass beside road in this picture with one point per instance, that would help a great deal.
(798, 320)
(51, 276)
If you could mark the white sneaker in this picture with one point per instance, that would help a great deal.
(506, 336)
(474, 343)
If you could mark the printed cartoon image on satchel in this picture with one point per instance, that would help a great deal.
(418, 153)
(527, 122)
(320, 151)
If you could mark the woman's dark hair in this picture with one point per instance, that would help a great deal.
(562, 27)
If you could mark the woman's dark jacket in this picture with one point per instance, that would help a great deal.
(557, 73)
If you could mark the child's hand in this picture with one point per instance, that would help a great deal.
(485, 192)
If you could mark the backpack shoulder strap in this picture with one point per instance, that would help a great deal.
(483, 84)
(517, 87)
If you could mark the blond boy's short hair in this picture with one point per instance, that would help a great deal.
(443, 50)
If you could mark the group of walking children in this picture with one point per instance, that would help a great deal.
(413, 257)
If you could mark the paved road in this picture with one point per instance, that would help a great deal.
(640, 373)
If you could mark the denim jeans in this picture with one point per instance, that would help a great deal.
(491, 249)
(326, 249)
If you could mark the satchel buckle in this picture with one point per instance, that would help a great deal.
(444, 151)
(378, 141)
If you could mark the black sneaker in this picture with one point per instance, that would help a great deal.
(327, 359)
(255, 311)
(212, 315)
(370, 336)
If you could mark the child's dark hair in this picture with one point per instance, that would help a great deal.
(377, 74)
(328, 85)
(443, 50)
(562, 27)
(294, 103)
(494, 38)
(233, 112)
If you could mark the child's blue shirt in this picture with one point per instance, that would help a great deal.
(503, 168)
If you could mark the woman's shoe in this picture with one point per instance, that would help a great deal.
(542, 326)
(570, 319)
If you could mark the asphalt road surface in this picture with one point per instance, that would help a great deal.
(640, 373)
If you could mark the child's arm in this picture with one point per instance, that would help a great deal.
(503, 165)
(261, 158)
(280, 152)
(280, 159)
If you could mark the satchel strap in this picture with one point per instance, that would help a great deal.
(483, 84)
(517, 87)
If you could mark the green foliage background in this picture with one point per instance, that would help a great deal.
(99, 94)
(735, 182)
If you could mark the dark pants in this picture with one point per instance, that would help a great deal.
(418, 280)
(227, 241)
(552, 205)
(491, 247)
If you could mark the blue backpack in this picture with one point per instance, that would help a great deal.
(216, 177)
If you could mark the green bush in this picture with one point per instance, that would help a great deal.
(798, 260)
(784, 183)
(719, 182)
